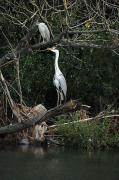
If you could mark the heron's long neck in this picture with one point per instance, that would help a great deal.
(56, 61)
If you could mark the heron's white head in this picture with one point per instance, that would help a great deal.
(40, 24)
(53, 49)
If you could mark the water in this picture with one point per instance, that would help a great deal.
(36, 163)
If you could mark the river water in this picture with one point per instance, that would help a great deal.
(36, 163)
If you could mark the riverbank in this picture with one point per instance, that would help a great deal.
(74, 131)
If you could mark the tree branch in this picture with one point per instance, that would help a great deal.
(23, 48)
(70, 106)
(79, 44)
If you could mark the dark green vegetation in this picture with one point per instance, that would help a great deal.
(93, 78)
(98, 134)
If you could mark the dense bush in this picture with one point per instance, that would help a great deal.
(89, 135)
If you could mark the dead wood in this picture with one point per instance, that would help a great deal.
(31, 119)
(112, 116)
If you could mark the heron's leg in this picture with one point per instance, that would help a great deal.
(64, 98)
(58, 98)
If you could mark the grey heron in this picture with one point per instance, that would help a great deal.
(59, 79)
(44, 31)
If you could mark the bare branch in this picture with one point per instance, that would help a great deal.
(70, 106)
(88, 45)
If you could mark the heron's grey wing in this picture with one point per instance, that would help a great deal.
(47, 32)
(60, 83)
(56, 82)
(63, 84)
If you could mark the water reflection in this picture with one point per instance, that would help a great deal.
(36, 150)
(28, 162)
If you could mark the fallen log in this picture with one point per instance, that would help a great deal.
(70, 106)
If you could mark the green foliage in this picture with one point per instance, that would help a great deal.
(91, 76)
(89, 135)
(36, 75)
